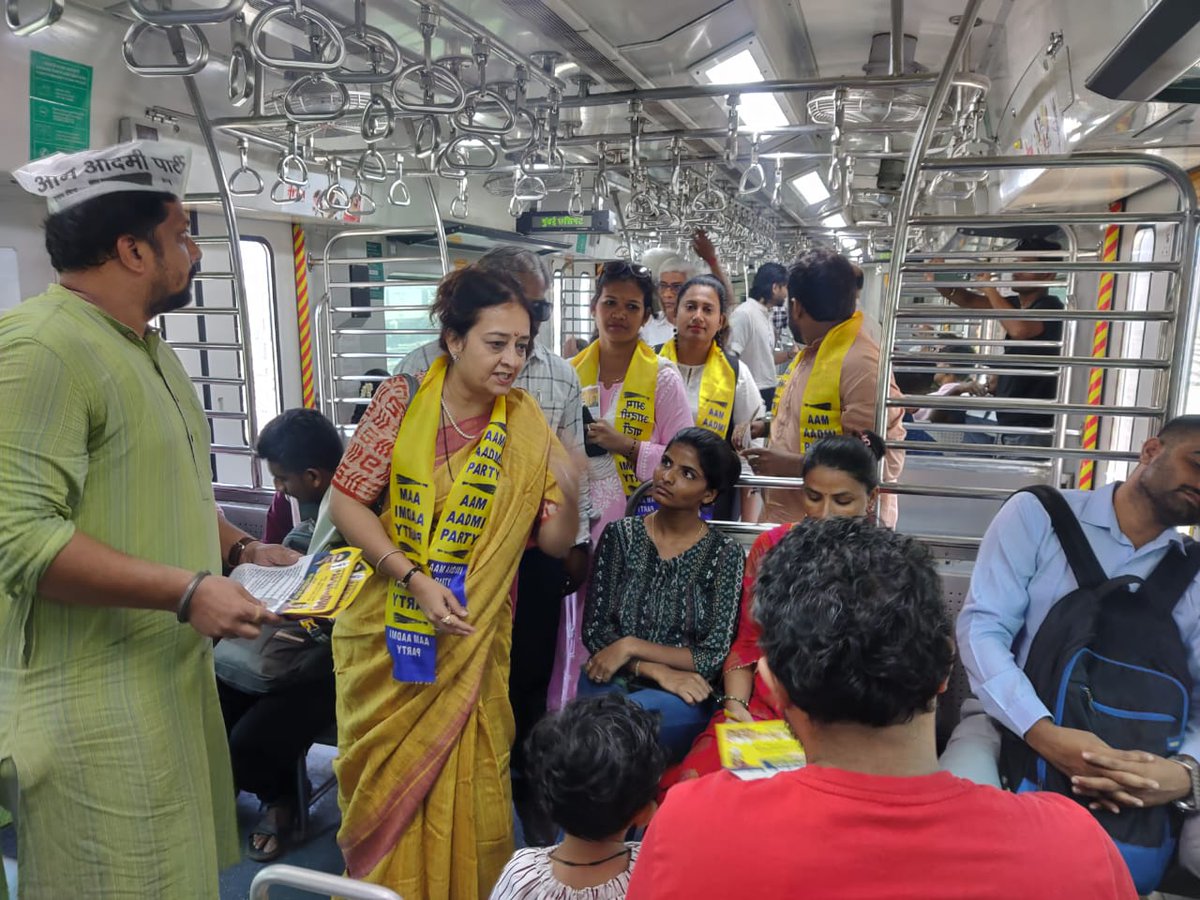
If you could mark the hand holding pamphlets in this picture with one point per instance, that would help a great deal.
(320, 585)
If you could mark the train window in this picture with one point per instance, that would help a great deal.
(1133, 339)
(258, 267)
(408, 329)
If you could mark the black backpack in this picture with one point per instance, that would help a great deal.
(1111, 661)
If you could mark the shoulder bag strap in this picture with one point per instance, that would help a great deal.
(1080, 556)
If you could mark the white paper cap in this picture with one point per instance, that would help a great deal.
(67, 179)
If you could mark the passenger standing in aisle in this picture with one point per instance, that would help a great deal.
(833, 385)
(542, 581)
(1047, 334)
(109, 719)
(752, 331)
(722, 394)
(466, 469)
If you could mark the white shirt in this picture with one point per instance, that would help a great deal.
(657, 331)
(747, 401)
(752, 338)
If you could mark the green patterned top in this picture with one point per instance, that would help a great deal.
(690, 600)
(109, 714)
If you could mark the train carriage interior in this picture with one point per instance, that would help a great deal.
(347, 154)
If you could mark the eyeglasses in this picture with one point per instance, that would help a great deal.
(671, 285)
(620, 268)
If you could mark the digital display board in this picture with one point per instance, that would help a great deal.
(592, 221)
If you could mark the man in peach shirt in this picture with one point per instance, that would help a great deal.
(833, 386)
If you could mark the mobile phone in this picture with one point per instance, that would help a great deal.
(589, 448)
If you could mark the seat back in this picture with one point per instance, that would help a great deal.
(954, 594)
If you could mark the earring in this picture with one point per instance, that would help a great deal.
(453, 357)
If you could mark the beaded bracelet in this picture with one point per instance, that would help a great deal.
(722, 699)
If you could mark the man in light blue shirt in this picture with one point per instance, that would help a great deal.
(1021, 572)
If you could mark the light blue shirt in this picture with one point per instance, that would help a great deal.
(1022, 571)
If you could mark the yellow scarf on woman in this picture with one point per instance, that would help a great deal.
(821, 406)
(442, 548)
(635, 407)
(717, 386)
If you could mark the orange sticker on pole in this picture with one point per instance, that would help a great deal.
(1104, 301)
(303, 317)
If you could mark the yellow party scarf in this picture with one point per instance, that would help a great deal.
(717, 386)
(821, 406)
(782, 382)
(443, 549)
(635, 406)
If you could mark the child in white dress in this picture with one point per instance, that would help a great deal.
(596, 764)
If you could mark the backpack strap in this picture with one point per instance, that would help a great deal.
(1080, 555)
(1171, 578)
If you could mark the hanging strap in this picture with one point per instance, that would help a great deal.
(1080, 556)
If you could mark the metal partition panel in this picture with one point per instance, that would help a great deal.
(370, 324)
(921, 330)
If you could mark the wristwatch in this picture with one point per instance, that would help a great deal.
(1190, 803)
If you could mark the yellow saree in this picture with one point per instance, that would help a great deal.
(423, 768)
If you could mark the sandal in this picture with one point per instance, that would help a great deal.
(269, 827)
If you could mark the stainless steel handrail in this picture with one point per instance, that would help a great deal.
(314, 882)
(329, 336)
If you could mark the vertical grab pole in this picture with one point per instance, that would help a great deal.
(303, 317)
(1095, 395)
(235, 254)
(908, 199)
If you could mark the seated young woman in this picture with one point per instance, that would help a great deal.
(841, 478)
(663, 599)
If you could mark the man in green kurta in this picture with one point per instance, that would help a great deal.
(108, 705)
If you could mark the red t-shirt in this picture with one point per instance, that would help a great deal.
(828, 833)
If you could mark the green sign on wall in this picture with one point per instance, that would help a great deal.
(60, 105)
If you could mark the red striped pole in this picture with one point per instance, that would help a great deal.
(1104, 301)
(303, 316)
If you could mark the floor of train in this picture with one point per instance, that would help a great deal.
(319, 851)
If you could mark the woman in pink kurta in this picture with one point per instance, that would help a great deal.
(623, 302)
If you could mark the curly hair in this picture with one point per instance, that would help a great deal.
(596, 763)
(853, 623)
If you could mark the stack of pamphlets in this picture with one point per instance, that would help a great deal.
(321, 585)
(753, 750)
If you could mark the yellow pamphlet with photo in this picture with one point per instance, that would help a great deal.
(753, 750)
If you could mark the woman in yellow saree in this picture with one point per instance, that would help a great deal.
(468, 470)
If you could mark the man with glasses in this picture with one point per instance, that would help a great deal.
(671, 274)
(542, 581)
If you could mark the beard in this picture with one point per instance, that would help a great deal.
(169, 302)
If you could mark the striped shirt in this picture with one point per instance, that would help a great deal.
(529, 875)
(109, 713)
(552, 382)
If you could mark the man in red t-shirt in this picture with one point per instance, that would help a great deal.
(857, 647)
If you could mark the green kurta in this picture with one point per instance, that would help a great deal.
(110, 715)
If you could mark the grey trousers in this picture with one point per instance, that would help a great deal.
(973, 753)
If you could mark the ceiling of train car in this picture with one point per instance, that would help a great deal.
(625, 45)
